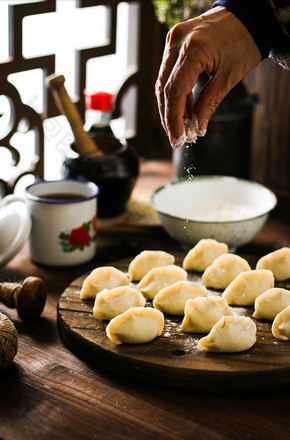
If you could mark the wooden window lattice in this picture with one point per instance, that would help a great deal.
(141, 78)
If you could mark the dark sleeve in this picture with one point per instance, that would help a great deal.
(268, 22)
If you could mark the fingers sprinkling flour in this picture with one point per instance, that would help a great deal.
(190, 132)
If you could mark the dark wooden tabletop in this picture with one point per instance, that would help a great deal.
(50, 393)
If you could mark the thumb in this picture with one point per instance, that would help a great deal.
(208, 101)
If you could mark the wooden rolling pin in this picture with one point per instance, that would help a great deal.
(83, 142)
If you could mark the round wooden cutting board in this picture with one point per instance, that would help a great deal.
(173, 359)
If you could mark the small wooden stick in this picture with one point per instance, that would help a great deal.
(84, 143)
(28, 297)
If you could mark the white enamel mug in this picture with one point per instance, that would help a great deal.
(63, 214)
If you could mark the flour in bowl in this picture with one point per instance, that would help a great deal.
(218, 210)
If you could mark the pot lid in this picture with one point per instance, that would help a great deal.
(15, 227)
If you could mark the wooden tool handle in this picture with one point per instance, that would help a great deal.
(28, 297)
(83, 141)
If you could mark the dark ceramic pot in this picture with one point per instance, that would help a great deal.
(115, 174)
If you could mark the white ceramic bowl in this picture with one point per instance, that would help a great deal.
(178, 203)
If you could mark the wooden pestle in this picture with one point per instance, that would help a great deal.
(28, 297)
(84, 143)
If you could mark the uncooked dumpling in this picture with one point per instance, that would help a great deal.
(230, 334)
(113, 302)
(172, 298)
(203, 254)
(201, 314)
(106, 277)
(136, 326)
(278, 262)
(245, 288)
(224, 270)
(146, 261)
(281, 325)
(271, 302)
(160, 277)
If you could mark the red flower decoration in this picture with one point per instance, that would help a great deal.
(94, 223)
(79, 236)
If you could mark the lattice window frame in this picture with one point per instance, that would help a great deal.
(142, 78)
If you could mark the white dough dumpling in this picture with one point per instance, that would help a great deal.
(224, 270)
(203, 254)
(172, 299)
(281, 325)
(105, 277)
(160, 277)
(136, 326)
(147, 260)
(271, 302)
(201, 314)
(278, 262)
(229, 335)
(113, 302)
(245, 288)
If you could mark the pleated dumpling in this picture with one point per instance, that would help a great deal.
(281, 325)
(203, 254)
(113, 302)
(136, 326)
(271, 302)
(230, 334)
(245, 288)
(224, 270)
(201, 314)
(160, 277)
(106, 277)
(172, 299)
(147, 260)
(278, 262)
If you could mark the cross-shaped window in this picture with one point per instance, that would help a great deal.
(66, 32)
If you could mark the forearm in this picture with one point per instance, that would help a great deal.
(268, 21)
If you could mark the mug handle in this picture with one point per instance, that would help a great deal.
(15, 226)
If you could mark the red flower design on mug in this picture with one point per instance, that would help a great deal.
(94, 223)
(79, 236)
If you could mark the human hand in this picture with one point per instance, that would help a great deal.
(217, 43)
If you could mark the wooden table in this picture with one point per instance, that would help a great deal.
(49, 393)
